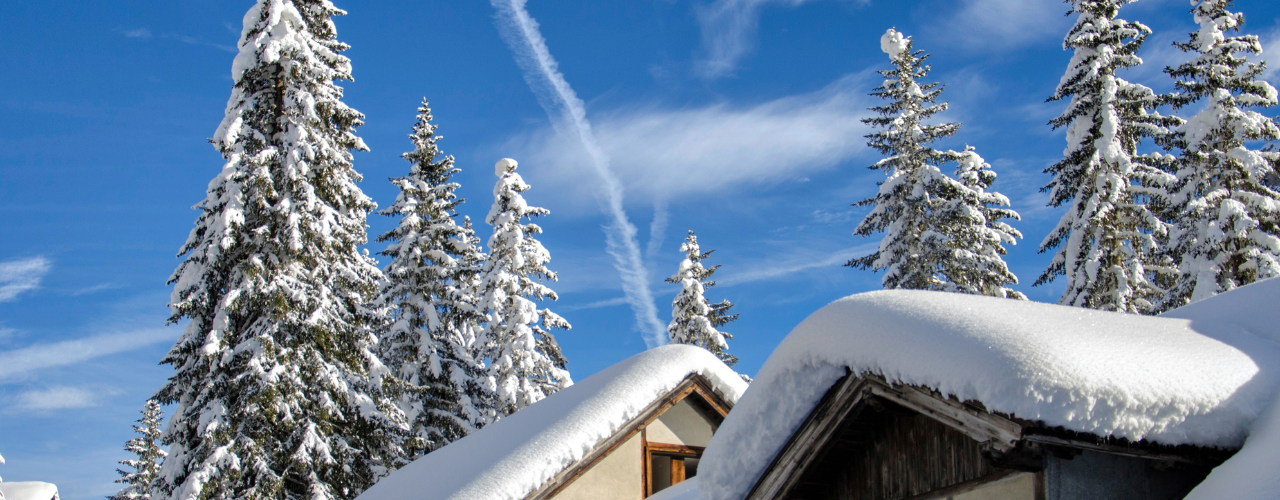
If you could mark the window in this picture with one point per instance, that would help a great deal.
(670, 464)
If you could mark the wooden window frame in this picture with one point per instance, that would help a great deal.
(670, 450)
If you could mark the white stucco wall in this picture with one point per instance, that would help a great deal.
(614, 477)
(680, 425)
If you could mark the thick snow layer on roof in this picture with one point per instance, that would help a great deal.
(687, 490)
(513, 457)
(1200, 376)
(28, 490)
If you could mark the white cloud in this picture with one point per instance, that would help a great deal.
(17, 276)
(728, 30)
(1271, 54)
(56, 398)
(19, 362)
(595, 305)
(93, 289)
(663, 154)
(1007, 24)
(771, 268)
(138, 33)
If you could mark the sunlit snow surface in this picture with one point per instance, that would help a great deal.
(1199, 375)
(516, 455)
(28, 490)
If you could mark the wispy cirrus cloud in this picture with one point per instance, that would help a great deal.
(24, 361)
(146, 34)
(93, 289)
(1006, 24)
(728, 33)
(796, 262)
(666, 153)
(18, 276)
(142, 33)
(619, 301)
(56, 398)
(1271, 54)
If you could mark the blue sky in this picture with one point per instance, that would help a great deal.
(735, 118)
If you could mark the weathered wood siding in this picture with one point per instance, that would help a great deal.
(888, 453)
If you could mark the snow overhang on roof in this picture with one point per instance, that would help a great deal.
(1200, 375)
(520, 454)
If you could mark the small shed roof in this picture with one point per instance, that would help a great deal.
(1201, 375)
(519, 454)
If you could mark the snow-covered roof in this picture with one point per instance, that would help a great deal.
(1200, 375)
(686, 490)
(28, 490)
(518, 454)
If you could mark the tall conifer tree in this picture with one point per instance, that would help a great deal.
(278, 392)
(1226, 218)
(910, 251)
(146, 449)
(695, 320)
(522, 355)
(940, 234)
(1106, 240)
(429, 286)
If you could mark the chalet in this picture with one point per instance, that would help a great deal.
(899, 395)
(631, 430)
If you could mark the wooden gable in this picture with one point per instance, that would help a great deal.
(868, 439)
(655, 433)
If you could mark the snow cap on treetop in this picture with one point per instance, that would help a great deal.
(893, 43)
(504, 166)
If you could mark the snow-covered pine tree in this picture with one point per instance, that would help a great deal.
(522, 355)
(1106, 241)
(429, 287)
(1225, 217)
(694, 320)
(908, 202)
(147, 450)
(972, 221)
(278, 391)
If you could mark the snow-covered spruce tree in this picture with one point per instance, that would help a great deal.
(521, 354)
(936, 229)
(429, 287)
(147, 450)
(694, 320)
(911, 250)
(1106, 240)
(972, 221)
(1225, 217)
(278, 391)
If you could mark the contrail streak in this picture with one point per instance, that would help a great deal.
(560, 102)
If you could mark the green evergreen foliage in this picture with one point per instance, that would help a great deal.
(522, 356)
(1107, 240)
(940, 234)
(146, 448)
(1224, 206)
(278, 393)
(694, 320)
(435, 264)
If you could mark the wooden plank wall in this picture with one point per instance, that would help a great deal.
(889, 453)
